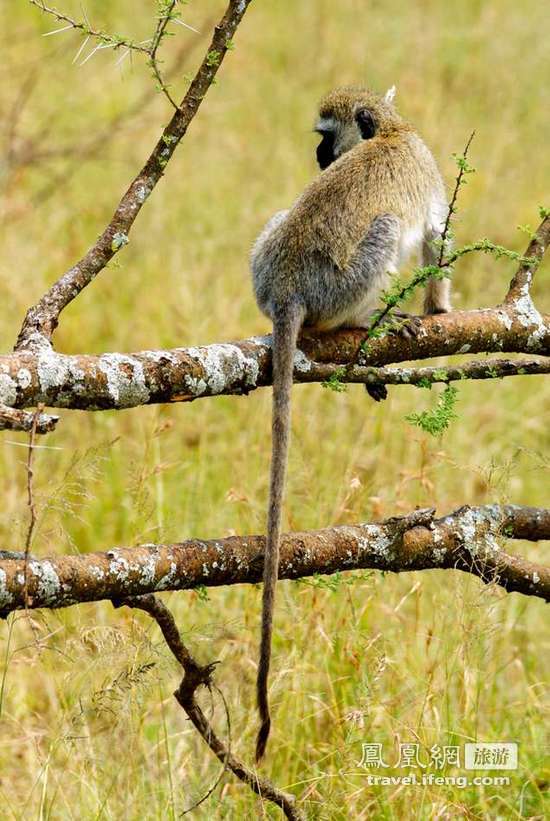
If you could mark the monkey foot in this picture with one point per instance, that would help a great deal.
(377, 391)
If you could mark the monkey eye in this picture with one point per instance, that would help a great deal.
(366, 122)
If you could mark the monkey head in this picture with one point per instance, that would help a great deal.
(348, 115)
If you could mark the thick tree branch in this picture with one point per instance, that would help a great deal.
(113, 381)
(464, 540)
(42, 319)
(195, 677)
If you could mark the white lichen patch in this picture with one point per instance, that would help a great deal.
(505, 318)
(196, 387)
(260, 341)
(438, 554)
(148, 570)
(160, 356)
(142, 192)
(125, 379)
(53, 370)
(24, 378)
(464, 348)
(301, 362)
(526, 312)
(472, 529)
(376, 541)
(6, 598)
(118, 566)
(223, 366)
(169, 579)
(48, 586)
(528, 316)
(8, 390)
(403, 374)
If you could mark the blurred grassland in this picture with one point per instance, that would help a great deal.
(89, 726)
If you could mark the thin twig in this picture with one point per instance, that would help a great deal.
(115, 41)
(84, 148)
(30, 497)
(163, 21)
(452, 204)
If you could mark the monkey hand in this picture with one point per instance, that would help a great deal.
(404, 325)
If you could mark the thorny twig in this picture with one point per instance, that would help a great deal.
(462, 170)
(197, 676)
(164, 19)
(115, 41)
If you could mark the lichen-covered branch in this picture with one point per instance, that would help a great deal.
(42, 319)
(197, 676)
(466, 540)
(114, 381)
(11, 419)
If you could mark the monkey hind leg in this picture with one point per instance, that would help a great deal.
(437, 299)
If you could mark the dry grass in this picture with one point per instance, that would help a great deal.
(89, 727)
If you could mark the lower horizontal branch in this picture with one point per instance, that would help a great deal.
(464, 540)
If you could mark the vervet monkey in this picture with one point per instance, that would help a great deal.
(324, 262)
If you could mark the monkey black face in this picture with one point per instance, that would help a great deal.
(366, 123)
(325, 149)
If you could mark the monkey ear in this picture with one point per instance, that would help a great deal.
(389, 95)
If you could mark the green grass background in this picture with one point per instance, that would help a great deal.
(89, 727)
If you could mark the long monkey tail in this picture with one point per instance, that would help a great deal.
(285, 334)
